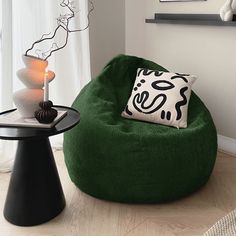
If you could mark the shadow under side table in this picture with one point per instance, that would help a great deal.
(35, 193)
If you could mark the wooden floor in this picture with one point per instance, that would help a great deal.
(87, 216)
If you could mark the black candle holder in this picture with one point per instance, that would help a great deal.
(46, 114)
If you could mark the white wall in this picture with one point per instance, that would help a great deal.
(107, 32)
(207, 51)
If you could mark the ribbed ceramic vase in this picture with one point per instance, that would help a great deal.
(32, 76)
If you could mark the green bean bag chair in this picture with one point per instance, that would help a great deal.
(113, 158)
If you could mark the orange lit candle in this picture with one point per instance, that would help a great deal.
(46, 89)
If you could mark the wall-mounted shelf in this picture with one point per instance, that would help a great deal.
(191, 19)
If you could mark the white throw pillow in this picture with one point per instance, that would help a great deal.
(160, 97)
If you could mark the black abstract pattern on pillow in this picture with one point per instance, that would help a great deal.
(142, 102)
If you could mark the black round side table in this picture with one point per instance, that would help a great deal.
(35, 193)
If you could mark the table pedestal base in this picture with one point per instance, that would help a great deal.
(35, 194)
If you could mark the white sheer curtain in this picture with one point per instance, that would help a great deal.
(7, 148)
(24, 22)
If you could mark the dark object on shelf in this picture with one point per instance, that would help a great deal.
(191, 19)
(35, 194)
(47, 114)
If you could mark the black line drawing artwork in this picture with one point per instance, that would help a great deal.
(179, 77)
(141, 99)
(128, 111)
(166, 115)
(147, 101)
(147, 72)
(182, 74)
(162, 85)
(142, 81)
(181, 103)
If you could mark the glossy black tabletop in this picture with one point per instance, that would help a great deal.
(71, 119)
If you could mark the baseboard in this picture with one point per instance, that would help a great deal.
(227, 145)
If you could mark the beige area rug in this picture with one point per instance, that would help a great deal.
(226, 226)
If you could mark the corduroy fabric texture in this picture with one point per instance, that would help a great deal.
(113, 158)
